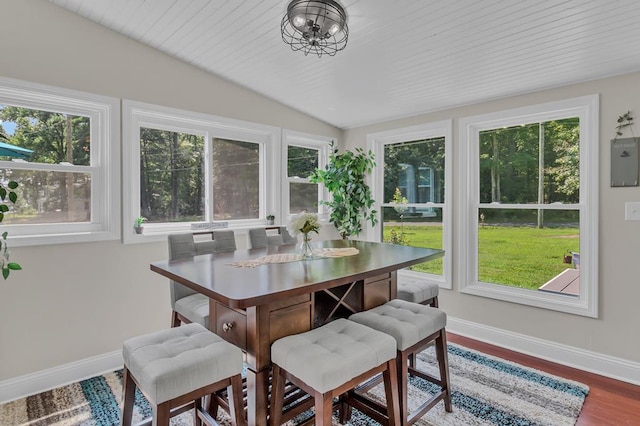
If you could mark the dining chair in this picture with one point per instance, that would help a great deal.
(259, 238)
(187, 305)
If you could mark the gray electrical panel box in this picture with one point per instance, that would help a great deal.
(624, 162)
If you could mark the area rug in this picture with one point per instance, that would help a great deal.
(485, 391)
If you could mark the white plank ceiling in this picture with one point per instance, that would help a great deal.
(403, 57)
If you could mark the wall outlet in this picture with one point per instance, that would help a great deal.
(631, 211)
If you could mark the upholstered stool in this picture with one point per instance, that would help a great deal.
(414, 327)
(176, 368)
(418, 290)
(328, 361)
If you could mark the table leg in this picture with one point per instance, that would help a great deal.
(257, 397)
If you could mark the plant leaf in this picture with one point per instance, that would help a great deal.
(5, 273)
(14, 266)
(12, 185)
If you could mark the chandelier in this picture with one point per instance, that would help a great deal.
(315, 26)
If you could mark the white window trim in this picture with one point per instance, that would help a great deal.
(587, 109)
(376, 143)
(104, 113)
(321, 143)
(137, 114)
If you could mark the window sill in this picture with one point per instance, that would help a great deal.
(556, 302)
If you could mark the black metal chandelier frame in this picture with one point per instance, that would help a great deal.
(315, 26)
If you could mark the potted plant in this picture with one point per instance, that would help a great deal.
(345, 179)
(138, 224)
(270, 219)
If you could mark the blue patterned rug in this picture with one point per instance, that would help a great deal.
(485, 391)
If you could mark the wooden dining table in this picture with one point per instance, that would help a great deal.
(252, 305)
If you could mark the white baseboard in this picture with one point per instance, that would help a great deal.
(40, 381)
(593, 362)
(616, 368)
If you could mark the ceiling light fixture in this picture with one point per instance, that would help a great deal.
(317, 26)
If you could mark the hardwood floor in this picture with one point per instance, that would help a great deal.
(610, 402)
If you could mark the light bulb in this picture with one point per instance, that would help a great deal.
(298, 21)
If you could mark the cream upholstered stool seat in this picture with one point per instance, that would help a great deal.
(418, 290)
(328, 361)
(414, 327)
(176, 368)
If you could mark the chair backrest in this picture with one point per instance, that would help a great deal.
(183, 245)
(287, 238)
(260, 239)
(225, 241)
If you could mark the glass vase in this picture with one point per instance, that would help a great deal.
(306, 252)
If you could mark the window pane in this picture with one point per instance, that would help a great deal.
(236, 180)
(51, 136)
(514, 251)
(417, 169)
(511, 159)
(171, 176)
(303, 196)
(49, 197)
(417, 227)
(301, 161)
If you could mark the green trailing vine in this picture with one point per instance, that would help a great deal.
(345, 179)
(7, 195)
(625, 120)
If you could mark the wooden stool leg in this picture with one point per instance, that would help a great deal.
(211, 405)
(391, 392)
(236, 406)
(344, 412)
(175, 321)
(443, 363)
(162, 414)
(197, 405)
(128, 397)
(412, 360)
(324, 408)
(403, 384)
(277, 396)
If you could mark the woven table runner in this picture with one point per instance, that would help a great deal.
(293, 257)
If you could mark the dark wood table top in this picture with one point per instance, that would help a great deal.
(237, 287)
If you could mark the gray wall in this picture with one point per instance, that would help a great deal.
(75, 301)
(615, 332)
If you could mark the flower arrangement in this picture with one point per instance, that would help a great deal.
(303, 223)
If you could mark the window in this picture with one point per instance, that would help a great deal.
(529, 198)
(236, 180)
(302, 154)
(68, 170)
(186, 168)
(412, 191)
